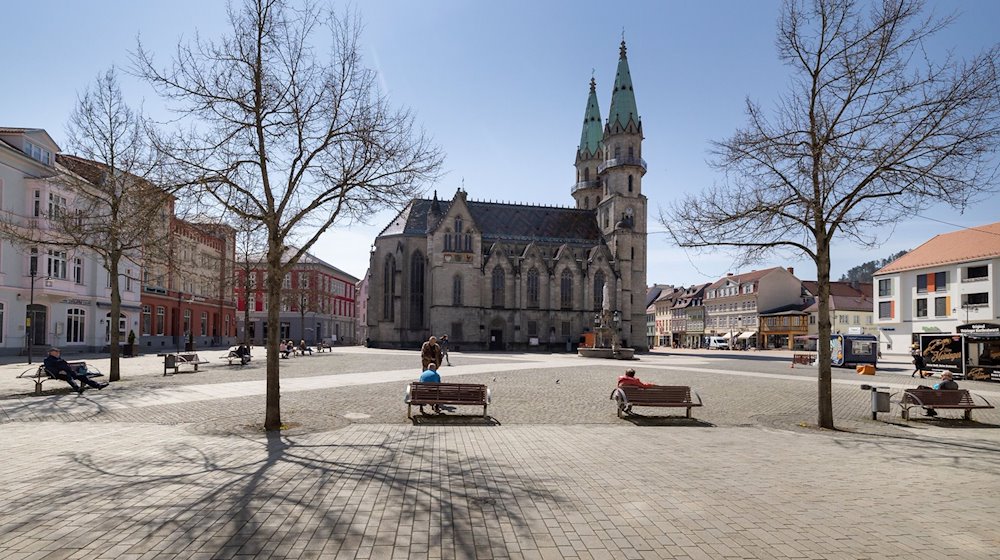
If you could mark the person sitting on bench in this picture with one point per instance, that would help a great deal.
(243, 352)
(947, 383)
(430, 375)
(630, 380)
(303, 348)
(61, 369)
(283, 349)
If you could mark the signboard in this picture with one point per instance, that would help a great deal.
(942, 351)
(854, 330)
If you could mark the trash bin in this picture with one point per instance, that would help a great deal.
(880, 399)
(169, 362)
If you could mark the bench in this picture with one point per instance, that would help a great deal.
(324, 346)
(175, 361)
(804, 359)
(40, 375)
(471, 394)
(232, 355)
(677, 396)
(959, 399)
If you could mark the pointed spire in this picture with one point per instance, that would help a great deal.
(623, 108)
(435, 204)
(590, 139)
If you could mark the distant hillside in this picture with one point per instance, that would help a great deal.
(863, 272)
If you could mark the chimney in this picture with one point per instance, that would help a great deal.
(791, 271)
(728, 274)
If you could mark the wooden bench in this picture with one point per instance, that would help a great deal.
(232, 355)
(446, 393)
(40, 375)
(175, 361)
(324, 347)
(804, 359)
(959, 399)
(677, 396)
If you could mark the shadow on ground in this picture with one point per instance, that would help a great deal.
(676, 421)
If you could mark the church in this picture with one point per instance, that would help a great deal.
(504, 276)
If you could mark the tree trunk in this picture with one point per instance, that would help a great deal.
(272, 410)
(825, 396)
(115, 317)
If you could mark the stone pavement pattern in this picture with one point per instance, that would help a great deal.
(157, 468)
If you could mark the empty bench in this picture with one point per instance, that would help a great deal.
(676, 396)
(175, 361)
(957, 399)
(40, 375)
(804, 359)
(470, 394)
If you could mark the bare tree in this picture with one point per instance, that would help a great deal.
(306, 139)
(871, 131)
(114, 208)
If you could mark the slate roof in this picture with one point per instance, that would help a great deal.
(507, 222)
(846, 303)
(840, 288)
(751, 276)
(964, 245)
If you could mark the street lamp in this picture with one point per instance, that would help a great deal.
(29, 316)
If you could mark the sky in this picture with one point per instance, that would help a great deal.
(501, 87)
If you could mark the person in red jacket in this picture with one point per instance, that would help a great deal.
(630, 380)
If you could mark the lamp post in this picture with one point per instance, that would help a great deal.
(30, 315)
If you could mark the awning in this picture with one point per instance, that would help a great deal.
(726, 336)
(747, 335)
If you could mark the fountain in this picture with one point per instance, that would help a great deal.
(607, 344)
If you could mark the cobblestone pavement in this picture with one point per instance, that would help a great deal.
(176, 467)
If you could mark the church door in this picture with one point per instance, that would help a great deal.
(496, 339)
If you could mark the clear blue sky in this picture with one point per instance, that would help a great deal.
(502, 88)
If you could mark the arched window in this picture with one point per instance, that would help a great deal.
(566, 289)
(417, 290)
(629, 182)
(497, 286)
(447, 240)
(586, 173)
(598, 289)
(468, 242)
(631, 152)
(533, 287)
(75, 321)
(388, 287)
(618, 151)
(456, 290)
(458, 224)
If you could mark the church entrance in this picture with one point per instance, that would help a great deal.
(496, 339)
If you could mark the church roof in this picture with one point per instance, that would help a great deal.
(623, 108)
(592, 134)
(498, 221)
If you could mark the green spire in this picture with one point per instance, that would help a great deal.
(623, 107)
(591, 137)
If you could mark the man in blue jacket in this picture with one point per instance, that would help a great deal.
(430, 375)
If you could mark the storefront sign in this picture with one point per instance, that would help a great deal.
(979, 328)
(942, 351)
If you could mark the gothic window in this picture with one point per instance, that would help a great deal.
(497, 286)
(631, 152)
(533, 287)
(630, 182)
(566, 289)
(586, 173)
(388, 287)
(417, 290)
(456, 290)
(458, 224)
(618, 151)
(468, 243)
(598, 289)
(447, 240)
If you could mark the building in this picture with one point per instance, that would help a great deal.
(51, 296)
(651, 326)
(498, 276)
(733, 303)
(318, 302)
(850, 308)
(947, 283)
(688, 317)
(361, 324)
(662, 307)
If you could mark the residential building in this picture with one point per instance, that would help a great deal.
(733, 303)
(687, 324)
(362, 309)
(850, 307)
(318, 303)
(500, 275)
(662, 308)
(784, 327)
(948, 282)
(651, 326)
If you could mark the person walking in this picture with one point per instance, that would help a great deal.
(430, 353)
(918, 362)
(443, 343)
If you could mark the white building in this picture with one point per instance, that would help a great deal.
(947, 282)
(64, 295)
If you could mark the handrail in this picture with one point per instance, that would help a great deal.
(614, 162)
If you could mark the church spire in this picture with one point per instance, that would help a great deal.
(590, 139)
(623, 109)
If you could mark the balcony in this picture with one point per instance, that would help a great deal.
(608, 164)
(584, 185)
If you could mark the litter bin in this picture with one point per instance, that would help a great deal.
(880, 399)
(169, 362)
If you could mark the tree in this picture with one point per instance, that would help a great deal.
(114, 209)
(863, 272)
(285, 137)
(870, 131)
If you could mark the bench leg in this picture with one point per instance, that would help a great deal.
(905, 413)
(196, 367)
(409, 411)
(484, 412)
(968, 414)
(38, 386)
(688, 415)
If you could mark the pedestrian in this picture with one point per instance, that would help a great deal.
(60, 368)
(430, 375)
(430, 353)
(444, 348)
(918, 362)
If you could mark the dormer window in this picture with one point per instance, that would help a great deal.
(37, 153)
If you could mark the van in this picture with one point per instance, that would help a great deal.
(718, 343)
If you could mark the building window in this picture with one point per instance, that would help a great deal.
(186, 327)
(922, 307)
(977, 272)
(631, 155)
(36, 205)
(532, 328)
(533, 287)
(885, 309)
(565, 328)
(147, 320)
(128, 280)
(161, 314)
(75, 320)
(885, 287)
(456, 290)
(566, 289)
(630, 181)
(388, 288)
(57, 206)
(599, 290)
(204, 323)
(447, 241)
(497, 285)
(982, 298)
(416, 290)
(936, 282)
(1, 322)
(941, 307)
(57, 264)
(78, 270)
(287, 281)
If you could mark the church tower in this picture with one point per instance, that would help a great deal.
(587, 190)
(621, 213)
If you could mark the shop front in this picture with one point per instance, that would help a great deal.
(972, 352)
